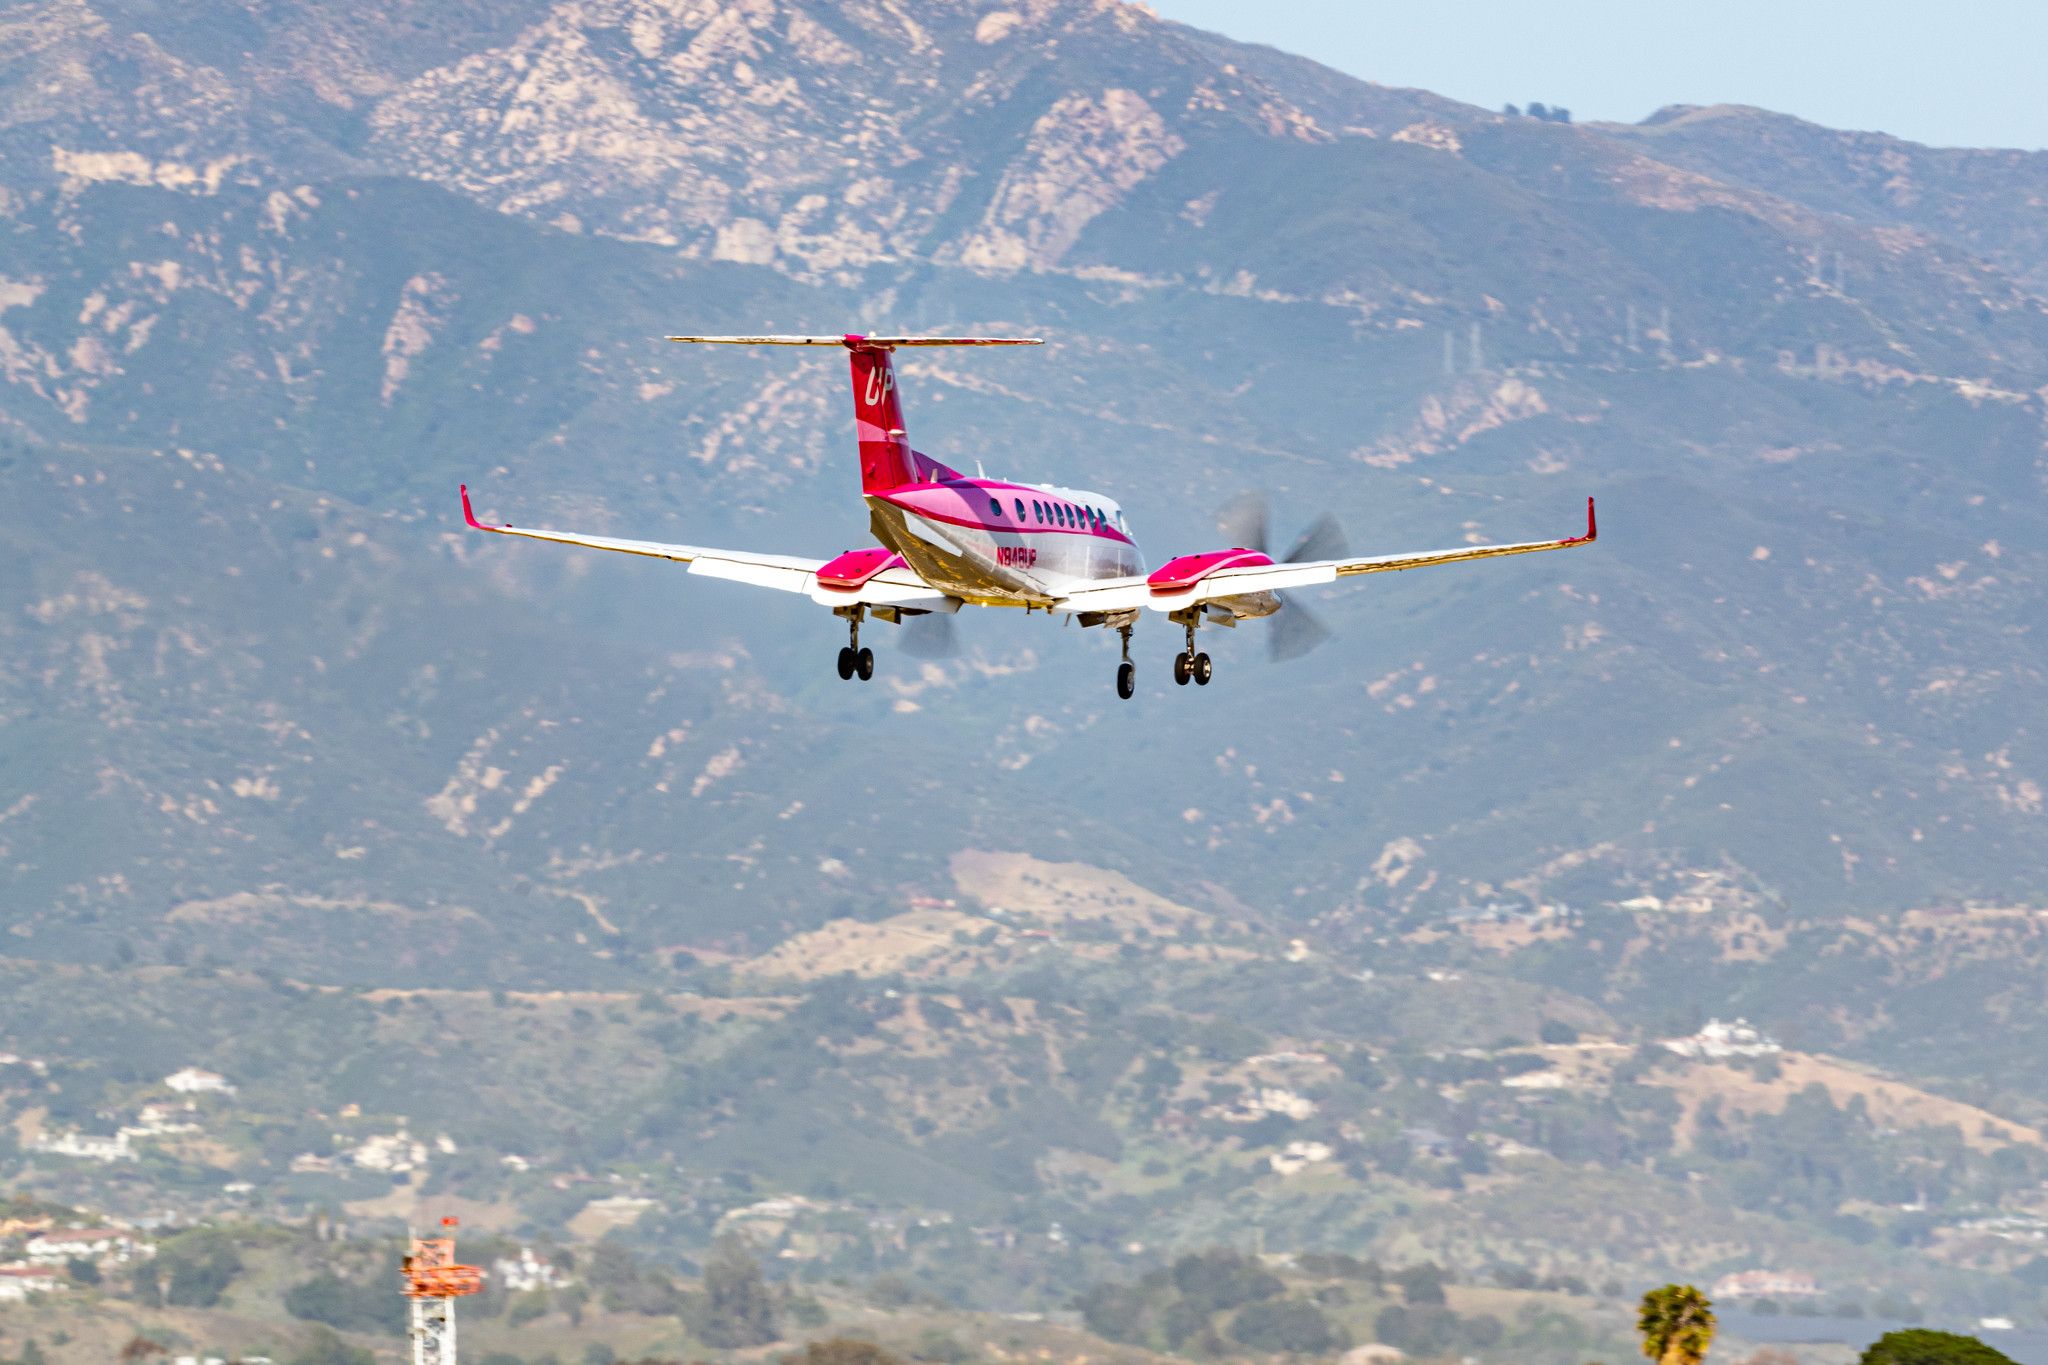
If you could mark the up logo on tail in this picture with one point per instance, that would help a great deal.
(881, 379)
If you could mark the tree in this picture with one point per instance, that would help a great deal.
(1421, 1284)
(1286, 1325)
(1215, 1281)
(1677, 1323)
(198, 1267)
(841, 1351)
(1917, 1346)
(738, 1309)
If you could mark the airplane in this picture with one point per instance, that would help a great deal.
(947, 540)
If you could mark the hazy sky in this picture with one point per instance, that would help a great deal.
(1953, 73)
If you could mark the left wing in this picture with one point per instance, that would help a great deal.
(1125, 593)
(785, 573)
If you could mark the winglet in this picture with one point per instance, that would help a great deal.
(1592, 528)
(469, 516)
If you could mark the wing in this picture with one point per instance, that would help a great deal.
(785, 573)
(1125, 593)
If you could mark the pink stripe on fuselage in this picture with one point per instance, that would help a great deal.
(956, 507)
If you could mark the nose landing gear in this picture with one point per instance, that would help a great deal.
(855, 658)
(1126, 672)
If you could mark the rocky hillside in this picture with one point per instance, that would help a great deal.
(278, 276)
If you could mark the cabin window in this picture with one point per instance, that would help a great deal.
(1020, 509)
(995, 507)
(1038, 510)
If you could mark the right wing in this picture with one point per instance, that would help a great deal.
(1124, 594)
(785, 573)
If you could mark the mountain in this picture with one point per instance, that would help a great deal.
(277, 277)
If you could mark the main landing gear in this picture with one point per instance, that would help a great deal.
(1191, 665)
(855, 658)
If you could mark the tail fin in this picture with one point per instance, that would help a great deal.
(886, 459)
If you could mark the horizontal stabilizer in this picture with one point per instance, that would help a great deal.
(854, 341)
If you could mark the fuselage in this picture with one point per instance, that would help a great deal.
(997, 543)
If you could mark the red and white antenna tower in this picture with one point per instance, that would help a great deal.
(433, 1281)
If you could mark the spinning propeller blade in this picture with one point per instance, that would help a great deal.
(1294, 629)
(1323, 540)
(1242, 521)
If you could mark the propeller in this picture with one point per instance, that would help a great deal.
(1245, 520)
(930, 636)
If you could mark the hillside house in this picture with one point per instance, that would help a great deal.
(85, 1146)
(392, 1152)
(1720, 1040)
(193, 1081)
(59, 1245)
(19, 1282)
(526, 1272)
(1766, 1284)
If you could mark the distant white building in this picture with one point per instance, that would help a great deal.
(1538, 1080)
(193, 1081)
(59, 1245)
(526, 1273)
(512, 1161)
(1718, 1040)
(1256, 1104)
(18, 1282)
(1297, 1156)
(85, 1146)
(1766, 1284)
(392, 1152)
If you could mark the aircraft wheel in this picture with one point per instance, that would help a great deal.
(1182, 671)
(1202, 669)
(1126, 680)
(846, 662)
(864, 663)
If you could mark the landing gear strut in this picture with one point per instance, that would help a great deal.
(855, 659)
(1190, 665)
(1126, 672)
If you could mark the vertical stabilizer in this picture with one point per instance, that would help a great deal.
(885, 456)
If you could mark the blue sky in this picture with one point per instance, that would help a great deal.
(1963, 73)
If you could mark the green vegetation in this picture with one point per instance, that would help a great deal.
(1921, 1347)
(1677, 1325)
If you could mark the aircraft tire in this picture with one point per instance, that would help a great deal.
(1182, 670)
(864, 663)
(846, 662)
(1203, 669)
(1126, 680)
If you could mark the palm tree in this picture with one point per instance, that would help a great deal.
(1677, 1323)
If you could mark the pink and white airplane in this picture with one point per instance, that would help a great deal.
(948, 541)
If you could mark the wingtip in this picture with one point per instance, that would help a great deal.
(469, 515)
(1592, 526)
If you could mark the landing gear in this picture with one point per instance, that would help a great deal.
(1126, 672)
(1191, 665)
(855, 658)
